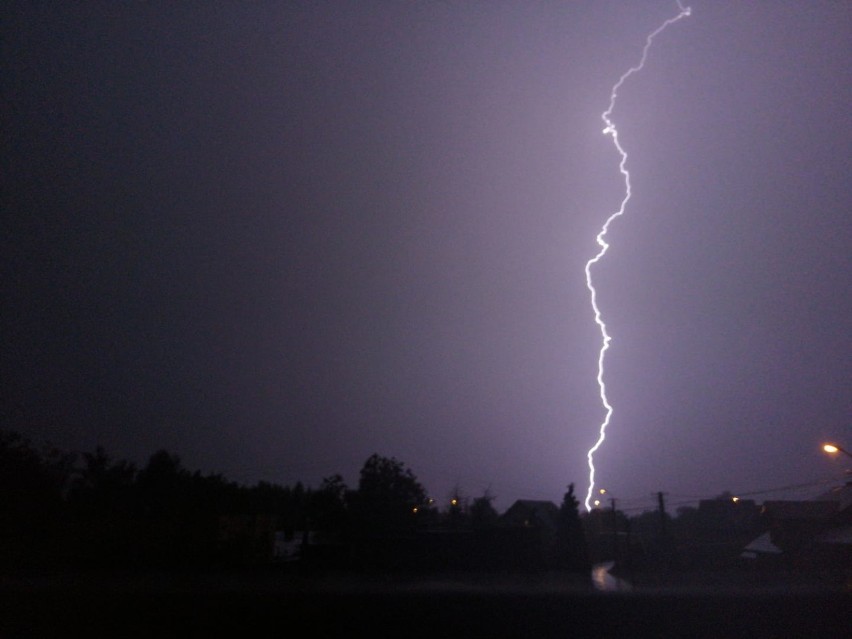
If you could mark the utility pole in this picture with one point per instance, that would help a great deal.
(665, 543)
(614, 531)
(663, 519)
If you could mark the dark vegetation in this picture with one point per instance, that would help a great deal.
(89, 510)
(94, 520)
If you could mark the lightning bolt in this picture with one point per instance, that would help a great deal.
(610, 130)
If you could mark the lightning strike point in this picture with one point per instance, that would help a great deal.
(610, 130)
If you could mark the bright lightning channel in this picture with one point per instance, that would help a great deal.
(610, 130)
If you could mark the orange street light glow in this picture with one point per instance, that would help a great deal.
(834, 448)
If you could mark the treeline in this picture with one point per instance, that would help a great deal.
(60, 508)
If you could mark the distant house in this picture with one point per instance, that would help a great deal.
(761, 549)
(531, 512)
(729, 516)
(807, 533)
(534, 523)
(726, 524)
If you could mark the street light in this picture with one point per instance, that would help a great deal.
(834, 449)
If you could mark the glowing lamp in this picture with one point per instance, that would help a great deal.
(834, 449)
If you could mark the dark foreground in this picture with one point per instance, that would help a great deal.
(277, 605)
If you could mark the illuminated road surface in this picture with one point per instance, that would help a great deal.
(605, 582)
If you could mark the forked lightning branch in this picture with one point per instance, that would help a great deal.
(611, 130)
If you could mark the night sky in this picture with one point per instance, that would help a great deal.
(277, 237)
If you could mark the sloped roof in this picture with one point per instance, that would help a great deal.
(524, 510)
(760, 546)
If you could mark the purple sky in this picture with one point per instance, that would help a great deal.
(275, 238)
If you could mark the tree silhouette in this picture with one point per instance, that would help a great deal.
(388, 496)
(32, 488)
(482, 512)
(571, 548)
(103, 506)
(102, 487)
(327, 506)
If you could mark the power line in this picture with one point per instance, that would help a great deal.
(684, 499)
